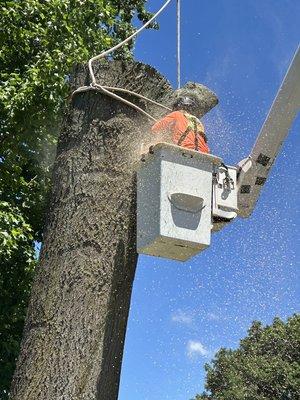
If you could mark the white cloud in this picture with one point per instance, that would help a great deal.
(182, 317)
(196, 348)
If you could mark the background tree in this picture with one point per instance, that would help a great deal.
(266, 365)
(41, 41)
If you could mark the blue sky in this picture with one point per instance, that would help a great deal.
(181, 313)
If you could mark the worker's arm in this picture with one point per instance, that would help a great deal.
(165, 123)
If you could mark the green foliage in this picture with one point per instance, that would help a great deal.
(17, 266)
(13, 231)
(266, 366)
(41, 41)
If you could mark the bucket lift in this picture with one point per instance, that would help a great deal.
(178, 192)
(184, 195)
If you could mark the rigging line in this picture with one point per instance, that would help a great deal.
(129, 103)
(178, 44)
(104, 89)
(105, 53)
(117, 89)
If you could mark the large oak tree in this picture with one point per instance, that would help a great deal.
(76, 322)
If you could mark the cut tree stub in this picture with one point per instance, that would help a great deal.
(75, 328)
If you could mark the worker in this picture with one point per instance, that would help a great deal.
(185, 128)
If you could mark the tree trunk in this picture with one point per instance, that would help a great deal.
(75, 329)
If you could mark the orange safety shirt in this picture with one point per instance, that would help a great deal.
(177, 124)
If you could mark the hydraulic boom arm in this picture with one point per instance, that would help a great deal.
(254, 170)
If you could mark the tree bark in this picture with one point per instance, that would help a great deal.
(75, 329)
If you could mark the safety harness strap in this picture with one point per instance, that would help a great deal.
(196, 135)
(184, 135)
(192, 127)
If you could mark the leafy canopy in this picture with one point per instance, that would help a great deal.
(41, 41)
(266, 366)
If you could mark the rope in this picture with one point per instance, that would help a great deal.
(107, 89)
(178, 44)
(105, 53)
(115, 96)
(117, 89)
